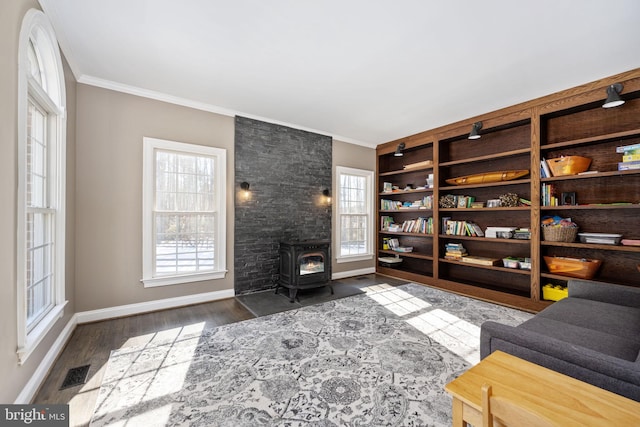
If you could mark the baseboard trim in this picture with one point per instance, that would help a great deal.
(33, 385)
(351, 273)
(145, 307)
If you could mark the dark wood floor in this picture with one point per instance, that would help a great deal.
(91, 344)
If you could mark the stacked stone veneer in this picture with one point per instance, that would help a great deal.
(287, 170)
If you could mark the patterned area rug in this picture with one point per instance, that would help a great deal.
(377, 359)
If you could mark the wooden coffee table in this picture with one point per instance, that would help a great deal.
(560, 398)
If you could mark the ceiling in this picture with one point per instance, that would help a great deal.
(362, 71)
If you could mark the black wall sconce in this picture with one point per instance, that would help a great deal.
(399, 150)
(475, 129)
(245, 189)
(613, 96)
(327, 196)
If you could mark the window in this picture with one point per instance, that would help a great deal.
(41, 183)
(184, 219)
(355, 214)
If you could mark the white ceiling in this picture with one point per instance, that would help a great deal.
(362, 71)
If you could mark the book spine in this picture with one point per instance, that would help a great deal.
(625, 148)
(545, 168)
(628, 166)
(630, 157)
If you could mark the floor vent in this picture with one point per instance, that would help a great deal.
(75, 376)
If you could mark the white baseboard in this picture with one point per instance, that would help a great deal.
(351, 273)
(31, 388)
(38, 377)
(144, 307)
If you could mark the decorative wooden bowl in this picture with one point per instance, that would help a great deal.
(482, 178)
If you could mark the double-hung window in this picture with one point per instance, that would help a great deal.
(355, 214)
(40, 251)
(184, 212)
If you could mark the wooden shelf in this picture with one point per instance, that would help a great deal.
(486, 239)
(404, 210)
(416, 255)
(592, 139)
(487, 267)
(401, 233)
(418, 190)
(606, 206)
(618, 248)
(488, 184)
(504, 154)
(401, 171)
(592, 175)
(516, 208)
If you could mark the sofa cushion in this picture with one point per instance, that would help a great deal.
(602, 342)
(610, 319)
(606, 292)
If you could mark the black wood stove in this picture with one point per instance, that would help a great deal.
(304, 265)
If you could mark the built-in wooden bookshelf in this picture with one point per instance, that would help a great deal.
(566, 123)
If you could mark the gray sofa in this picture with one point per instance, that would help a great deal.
(593, 335)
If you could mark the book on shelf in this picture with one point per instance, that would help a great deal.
(390, 205)
(454, 246)
(631, 157)
(627, 166)
(385, 222)
(548, 195)
(393, 243)
(627, 148)
(462, 228)
(479, 260)
(545, 171)
(492, 232)
(420, 225)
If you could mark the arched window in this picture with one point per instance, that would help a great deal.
(41, 182)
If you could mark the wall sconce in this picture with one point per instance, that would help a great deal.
(613, 96)
(245, 189)
(399, 152)
(475, 128)
(327, 196)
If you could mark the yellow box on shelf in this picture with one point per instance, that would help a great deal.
(554, 292)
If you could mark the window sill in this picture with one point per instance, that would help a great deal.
(39, 332)
(354, 258)
(185, 278)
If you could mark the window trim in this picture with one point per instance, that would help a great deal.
(150, 145)
(368, 175)
(36, 28)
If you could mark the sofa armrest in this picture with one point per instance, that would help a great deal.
(613, 374)
(605, 292)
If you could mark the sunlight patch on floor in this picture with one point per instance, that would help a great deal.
(457, 335)
(395, 300)
(158, 371)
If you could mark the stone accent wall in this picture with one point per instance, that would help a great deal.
(287, 170)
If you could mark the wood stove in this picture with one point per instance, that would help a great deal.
(304, 265)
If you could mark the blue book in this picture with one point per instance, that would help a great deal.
(624, 148)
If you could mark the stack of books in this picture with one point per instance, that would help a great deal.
(455, 251)
(630, 157)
